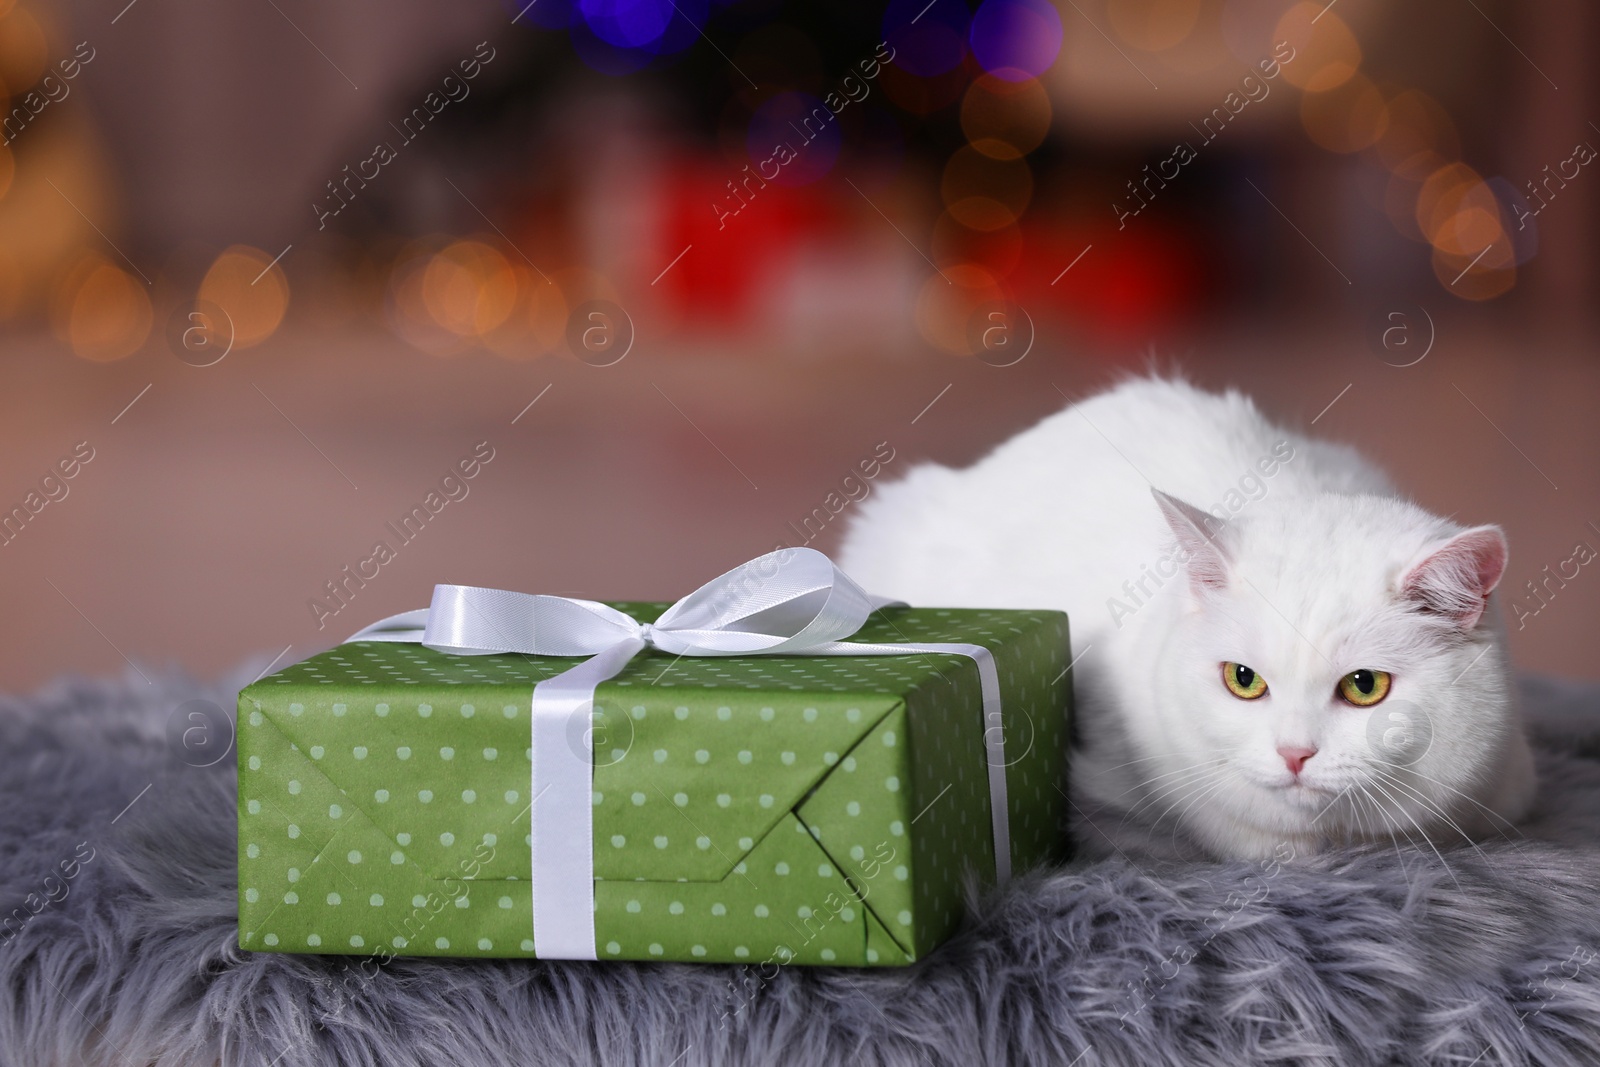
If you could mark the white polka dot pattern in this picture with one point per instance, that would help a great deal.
(798, 809)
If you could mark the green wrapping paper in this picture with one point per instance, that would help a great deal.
(797, 809)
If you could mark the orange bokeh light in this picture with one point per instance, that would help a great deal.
(982, 213)
(408, 312)
(1469, 231)
(949, 303)
(1326, 53)
(1457, 212)
(1400, 194)
(251, 289)
(1346, 119)
(1153, 25)
(102, 311)
(983, 192)
(24, 50)
(1005, 119)
(998, 250)
(1482, 274)
(546, 314)
(1417, 125)
(469, 288)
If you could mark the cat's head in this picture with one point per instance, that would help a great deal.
(1336, 660)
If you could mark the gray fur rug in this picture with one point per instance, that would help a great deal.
(127, 954)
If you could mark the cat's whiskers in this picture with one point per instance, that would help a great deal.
(1193, 767)
(1464, 796)
(1176, 777)
(1192, 791)
(1107, 770)
(1180, 790)
(1191, 776)
(1178, 822)
(1356, 830)
(1177, 794)
(1431, 806)
(1379, 826)
(1401, 808)
(1387, 815)
(1389, 828)
(1141, 759)
(1340, 826)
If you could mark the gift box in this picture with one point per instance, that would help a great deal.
(815, 809)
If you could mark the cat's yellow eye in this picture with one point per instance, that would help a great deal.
(1243, 682)
(1365, 688)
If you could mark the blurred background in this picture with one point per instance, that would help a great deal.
(275, 275)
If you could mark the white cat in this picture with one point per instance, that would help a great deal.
(1283, 652)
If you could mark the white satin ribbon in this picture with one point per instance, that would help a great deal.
(792, 602)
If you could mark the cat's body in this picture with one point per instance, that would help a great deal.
(1307, 568)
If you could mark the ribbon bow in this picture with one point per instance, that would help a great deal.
(791, 602)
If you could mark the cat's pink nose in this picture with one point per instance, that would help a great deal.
(1295, 758)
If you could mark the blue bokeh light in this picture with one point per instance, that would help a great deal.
(1016, 39)
(804, 125)
(620, 37)
(546, 14)
(627, 23)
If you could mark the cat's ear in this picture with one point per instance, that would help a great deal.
(1454, 579)
(1204, 559)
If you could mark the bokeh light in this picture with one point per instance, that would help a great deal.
(1003, 118)
(1516, 218)
(1480, 275)
(998, 250)
(603, 56)
(1326, 53)
(1439, 194)
(1348, 118)
(544, 315)
(985, 193)
(102, 311)
(245, 283)
(627, 23)
(1417, 125)
(549, 14)
(619, 37)
(948, 302)
(469, 288)
(452, 297)
(24, 49)
(1153, 25)
(1458, 212)
(512, 337)
(406, 308)
(1400, 193)
(798, 135)
(1473, 228)
(982, 213)
(1016, 39)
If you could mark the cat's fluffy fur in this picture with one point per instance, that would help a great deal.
(1290, 555)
